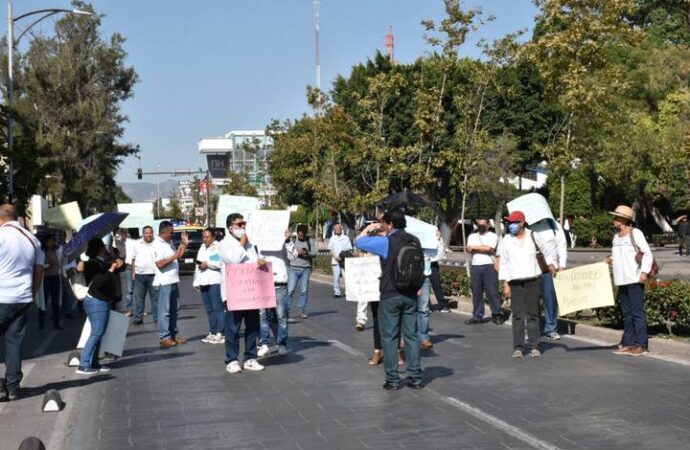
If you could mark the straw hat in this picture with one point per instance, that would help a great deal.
(625, 212)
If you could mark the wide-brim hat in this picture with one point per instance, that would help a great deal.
(625, 212)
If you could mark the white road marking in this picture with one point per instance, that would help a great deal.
(345, 347)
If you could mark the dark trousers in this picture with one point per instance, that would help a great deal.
(634, 318)
(377, 331)
(143, 284)
(435, 278)
(51, 292)
(252, 326)
(684, 243)
(399, 314)
(485, 279)
(13, 327)
(524, 300)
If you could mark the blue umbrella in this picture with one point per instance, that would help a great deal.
(100, 226)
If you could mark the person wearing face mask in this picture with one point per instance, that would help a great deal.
(520, 272)
(630, 272)
(208, 277)
(483, 276)
(236, 248)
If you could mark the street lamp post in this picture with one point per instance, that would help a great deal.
(11, 42)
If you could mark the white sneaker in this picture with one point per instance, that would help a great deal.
(218, 338)
(264, 350)
(208, 339)
(252, 364)
(234, 367)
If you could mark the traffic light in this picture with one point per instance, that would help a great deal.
(139, 174)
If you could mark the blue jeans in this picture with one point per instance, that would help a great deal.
(233, 322)
(142, 284)
(98, 312)
(130, 286)
(214, 306)
(484, 278)
(548, 294)
(423, 310)
(168, 296)
(634, 318)
(13, 327)
(398, 318)
(337, 273)
(301, 275)
(275, 320)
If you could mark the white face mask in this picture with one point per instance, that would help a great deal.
(239, 232)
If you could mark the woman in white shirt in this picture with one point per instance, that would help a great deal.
(208, 277)
(630, 274)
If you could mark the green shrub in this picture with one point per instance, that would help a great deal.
(322, 264)
(599, 225)
(455, 282)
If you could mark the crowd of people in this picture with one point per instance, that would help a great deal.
(524, 262)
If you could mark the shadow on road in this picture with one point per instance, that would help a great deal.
(431, 373)
(61, 385)
(322, 313)
(126, 362)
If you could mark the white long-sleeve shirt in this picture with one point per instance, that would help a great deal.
(231, 252)
(518, 257)
(551, 242)
(338, 244)
(625, 268)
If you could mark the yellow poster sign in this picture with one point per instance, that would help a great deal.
(583, 287)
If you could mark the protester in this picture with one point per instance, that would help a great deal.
(683, 235)
(483, 276)
(338, 244)
(21, 270)
(520, 272)
(552, 238)
(125, 248)
(143, 272)
(236, 248)
(51, 282)
(105, 289)
(397, 308)
(300, 253)
(207, 277)
(274, 320)
(435, 277)
(630, 272)
(424, 294)
(167, 277)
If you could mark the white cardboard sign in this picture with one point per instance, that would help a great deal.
(266, 229)
(534, 206)
(362, 279)
(113, 341)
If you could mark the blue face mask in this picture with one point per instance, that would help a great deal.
(514, 228)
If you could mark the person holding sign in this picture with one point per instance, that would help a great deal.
(632, 260)
(235, 248)
(208, 278)
(520, 272)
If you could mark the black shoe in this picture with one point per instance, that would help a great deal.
(13, 395)
(453, 304)
(336, 295)
(473, 321)
(445, 309)
(137, 322)
(497, 320)
(3, 395)
(415, 384)
(392, 386)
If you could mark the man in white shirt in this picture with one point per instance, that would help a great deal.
(236, 248)
(483, 276)
(338, 243)
(167, 277)
(519, 269)
(21, 270)
(551, 234)
(143, 272)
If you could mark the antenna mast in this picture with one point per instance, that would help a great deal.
(317, 44)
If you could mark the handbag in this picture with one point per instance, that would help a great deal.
(639, 254)
(77, 282)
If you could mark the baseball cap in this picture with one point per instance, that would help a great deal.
(516, 216)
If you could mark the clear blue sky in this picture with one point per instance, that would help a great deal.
(210, 66)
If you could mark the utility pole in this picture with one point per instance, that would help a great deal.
(317, 45)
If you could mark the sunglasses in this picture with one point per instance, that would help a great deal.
(239, 224)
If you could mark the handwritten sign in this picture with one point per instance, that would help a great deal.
(228, 204)
(583, 287)
(140, 215)
(534, 206)
(63, 217)
(266, 229)
(248, 287)
(362, 279)
(113, 341)
(425, 232)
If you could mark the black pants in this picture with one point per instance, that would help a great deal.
(524, 300)
(377, 333)
(436, 285)
(51, 291)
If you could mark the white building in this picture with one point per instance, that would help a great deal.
(531, 179)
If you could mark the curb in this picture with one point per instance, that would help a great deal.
(659, 347)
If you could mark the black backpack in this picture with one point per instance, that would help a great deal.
(407, 271)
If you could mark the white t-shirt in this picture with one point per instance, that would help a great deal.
(169, 274)
(488, 239)
(338, 244)
(625, 268)
(211, 256)
(142, 254)
(17, 259)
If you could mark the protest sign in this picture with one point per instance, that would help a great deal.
(63, 217)
(583, 287)
(113, 341)
(425, 232)
(140, 215)
(362, 279)
(248, 287)
(534, 206)
(266, 229)
(228, 204)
